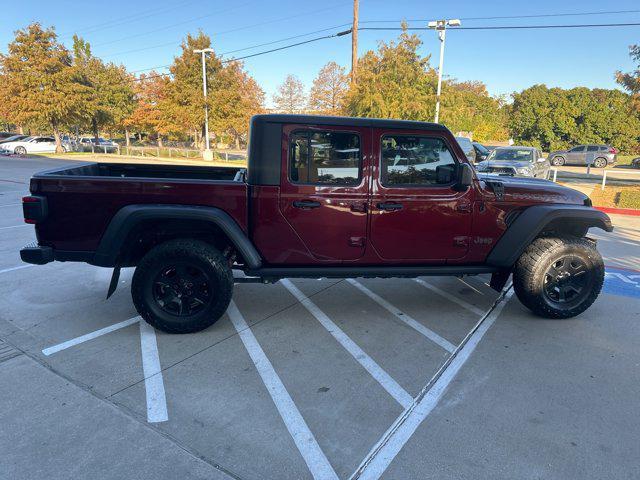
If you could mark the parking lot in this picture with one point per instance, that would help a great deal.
(437, 378)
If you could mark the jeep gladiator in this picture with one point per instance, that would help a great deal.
(320, 197)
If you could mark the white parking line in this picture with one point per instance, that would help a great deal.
(400, 315)
(369, 364)
(13, 269)
(452, 298)
(308, 447)
(16, 226)
(153, 381)
(383, 453)
(89, 336)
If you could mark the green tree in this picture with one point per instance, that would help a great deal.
(40, 85)
(112, 88)
(329, 89)
(290, 97)
(630, 81)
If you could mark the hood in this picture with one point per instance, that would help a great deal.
(503, 163)
(533, 190)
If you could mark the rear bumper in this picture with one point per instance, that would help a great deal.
(36, 254)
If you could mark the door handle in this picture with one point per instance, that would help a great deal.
(358, 207)
(389, 206)
(306, 204)
(464, 207)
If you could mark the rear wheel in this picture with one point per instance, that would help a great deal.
(559, 277)
(557, 161)
(182, 286)
(20, 151)
(600, 162)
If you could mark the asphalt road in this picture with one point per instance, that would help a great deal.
(319, 379)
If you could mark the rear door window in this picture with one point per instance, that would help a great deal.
(325, 158)
(592, 148)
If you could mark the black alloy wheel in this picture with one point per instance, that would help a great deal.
(182, 289)
(568, 281)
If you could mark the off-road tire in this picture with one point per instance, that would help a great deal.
(200, 255)
(557, 161)
(531, 271)
(600, 162)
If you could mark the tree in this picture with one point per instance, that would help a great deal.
(237, 98)
(290, 97)
(40, 85)
(112, 88)
(554, 118)
(396, 82)
(631, 81)
(329, 90)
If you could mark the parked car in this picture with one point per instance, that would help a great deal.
(515, 161)
(33, 145)
(91, 144)
(482, 152)
(467, 148)
(600, 155)
(635, 163)
(13, 138)
(360, 214)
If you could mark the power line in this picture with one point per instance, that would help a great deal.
(257, 46)
(218, 34)
(515, 27)
(124, 20)
(166, 27)
(504, 17)
(235, 59)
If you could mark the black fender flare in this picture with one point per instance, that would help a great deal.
(128, 217)
(532, 221)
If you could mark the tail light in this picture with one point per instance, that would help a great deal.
(34, 208)
(613, 150)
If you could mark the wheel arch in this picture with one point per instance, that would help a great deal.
(134, 225)
(542, 220)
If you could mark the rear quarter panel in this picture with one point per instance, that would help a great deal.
(81, 208)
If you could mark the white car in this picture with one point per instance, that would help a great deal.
(32, 145)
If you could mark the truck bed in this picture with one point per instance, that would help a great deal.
(131, 170)
(82, 199)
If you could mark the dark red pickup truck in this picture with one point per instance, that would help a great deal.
(321, 197)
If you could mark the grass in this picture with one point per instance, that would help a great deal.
(624, 160)
(617, 197)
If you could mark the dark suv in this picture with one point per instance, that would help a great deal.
(598, 156)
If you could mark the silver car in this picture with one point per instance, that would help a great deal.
(515, 161)
(467, 148)
(598, 155)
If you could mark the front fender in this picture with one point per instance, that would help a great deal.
(532, 221)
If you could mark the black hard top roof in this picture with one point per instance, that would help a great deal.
(347, 121)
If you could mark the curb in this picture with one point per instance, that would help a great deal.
(620, 211)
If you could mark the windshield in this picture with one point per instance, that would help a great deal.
(14, 138)
(511, 154)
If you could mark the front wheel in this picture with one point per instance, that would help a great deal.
(20, 151)
(557, 161)
(559, 277)
(182, 286)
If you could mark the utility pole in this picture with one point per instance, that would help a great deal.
(354, 42)
(441, 27)
(207, 154)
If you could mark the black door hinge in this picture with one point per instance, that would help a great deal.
(497, 187)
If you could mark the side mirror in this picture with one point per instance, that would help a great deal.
(465, 176)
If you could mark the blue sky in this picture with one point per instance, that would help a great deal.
(146, 34)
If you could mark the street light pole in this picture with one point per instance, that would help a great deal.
(441, 27)
(207, 154)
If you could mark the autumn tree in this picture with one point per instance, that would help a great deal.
(40, 85)
(630, 81)
(290, 97)
(329, 89)
(237, 97)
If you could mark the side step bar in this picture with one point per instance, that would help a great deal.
(269, 273)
